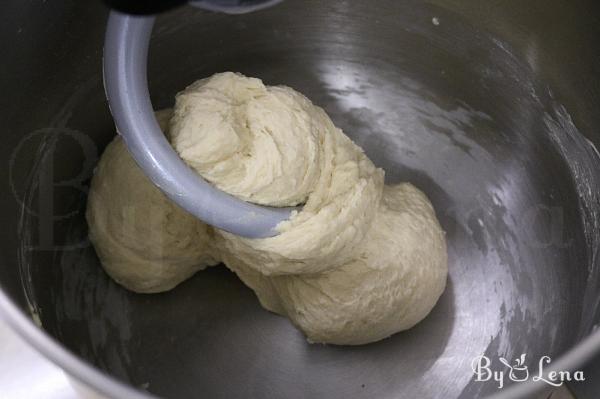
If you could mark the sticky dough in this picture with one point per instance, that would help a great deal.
(358, 263)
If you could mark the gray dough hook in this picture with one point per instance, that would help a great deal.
(125, 80)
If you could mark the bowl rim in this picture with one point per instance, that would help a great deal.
(74, 366)
(109, 386)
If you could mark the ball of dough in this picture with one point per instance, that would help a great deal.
(144, 241)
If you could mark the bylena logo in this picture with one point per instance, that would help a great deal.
(518, 371)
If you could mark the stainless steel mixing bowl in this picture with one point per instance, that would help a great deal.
(490, 107)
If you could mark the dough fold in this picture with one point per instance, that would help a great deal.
(272, 138)
(390, 285)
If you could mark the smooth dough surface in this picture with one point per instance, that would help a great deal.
(358, 263)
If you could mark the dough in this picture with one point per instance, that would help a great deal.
(397, 275)
(250, 133)
(358, 263)
(267, 148)
(145, 242)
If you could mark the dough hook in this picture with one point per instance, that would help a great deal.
(125, 80)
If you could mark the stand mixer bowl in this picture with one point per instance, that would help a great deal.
(491, 111)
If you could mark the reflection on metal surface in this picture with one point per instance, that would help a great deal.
(469, 110)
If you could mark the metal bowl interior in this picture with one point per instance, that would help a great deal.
(489, 111)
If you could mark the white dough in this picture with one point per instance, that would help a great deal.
(145, 242)
(254, 131)
(358, 263)
(397, 275)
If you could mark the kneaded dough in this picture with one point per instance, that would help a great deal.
(272, 137)
(145, 242)
(395, 278)
(358, 263)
